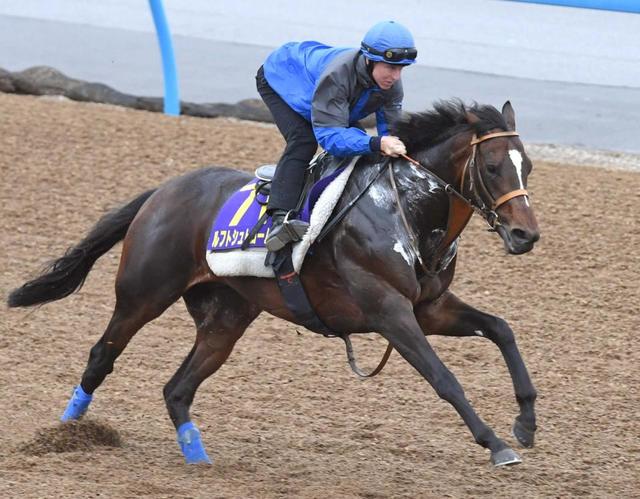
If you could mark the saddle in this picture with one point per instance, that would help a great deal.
(236, 243)
(321, 168)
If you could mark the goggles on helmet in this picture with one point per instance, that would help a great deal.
(393, 55)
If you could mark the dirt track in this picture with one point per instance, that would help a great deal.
(285, 416)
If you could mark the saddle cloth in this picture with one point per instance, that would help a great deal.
(243, 209)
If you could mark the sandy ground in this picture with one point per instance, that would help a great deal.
(285, 416)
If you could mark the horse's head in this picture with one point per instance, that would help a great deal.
(497, 173)
(477, 150)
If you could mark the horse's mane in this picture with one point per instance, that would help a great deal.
(448, 118)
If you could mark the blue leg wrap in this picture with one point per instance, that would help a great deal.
(191, 444)
(77, 405)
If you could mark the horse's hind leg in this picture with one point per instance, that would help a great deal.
(450, 316)
(221, 316)
(143, 292)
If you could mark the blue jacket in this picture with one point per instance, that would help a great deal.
(331, 87)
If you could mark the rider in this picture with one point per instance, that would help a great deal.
(317, 94)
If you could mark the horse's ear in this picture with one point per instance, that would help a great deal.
(509, 115)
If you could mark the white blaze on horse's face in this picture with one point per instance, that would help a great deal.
(516, 159)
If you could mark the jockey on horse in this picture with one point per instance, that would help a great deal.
(317, 94)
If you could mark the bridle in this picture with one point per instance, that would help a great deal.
(486, 209)
(475, 178)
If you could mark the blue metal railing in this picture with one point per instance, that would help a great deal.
(617, 5)
(171, 93)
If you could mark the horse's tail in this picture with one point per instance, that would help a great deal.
(66, 275)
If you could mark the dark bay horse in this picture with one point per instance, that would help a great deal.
(385, 268)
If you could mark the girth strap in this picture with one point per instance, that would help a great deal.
(296, 300)
(293, 293)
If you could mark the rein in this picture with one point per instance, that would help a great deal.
(352, 359)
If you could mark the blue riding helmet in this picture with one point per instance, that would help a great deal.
(389, 42)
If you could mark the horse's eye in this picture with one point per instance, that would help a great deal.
(492, 169)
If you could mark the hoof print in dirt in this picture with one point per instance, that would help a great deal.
(71, 436)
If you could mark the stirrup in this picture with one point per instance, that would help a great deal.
(286, 232)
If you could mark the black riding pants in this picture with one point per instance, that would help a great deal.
(301, 145)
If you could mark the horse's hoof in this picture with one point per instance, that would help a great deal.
(191, 444)
(505, 457)
(78, 404)
(524, 436)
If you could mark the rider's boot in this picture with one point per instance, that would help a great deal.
(283, 230)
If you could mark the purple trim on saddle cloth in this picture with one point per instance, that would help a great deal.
(315, 192)
(241, 213)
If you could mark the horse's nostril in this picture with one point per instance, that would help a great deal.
(521, 235)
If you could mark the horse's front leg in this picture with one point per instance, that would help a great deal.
(398, 325)
(450, 316)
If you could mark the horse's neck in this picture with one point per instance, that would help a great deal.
(431, 211)
(447, 160)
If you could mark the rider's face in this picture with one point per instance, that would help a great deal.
(385, 74)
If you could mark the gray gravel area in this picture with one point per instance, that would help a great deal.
(584, 157)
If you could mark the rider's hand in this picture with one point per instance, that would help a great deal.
(392, 146)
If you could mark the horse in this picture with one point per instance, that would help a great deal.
(384, 268)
